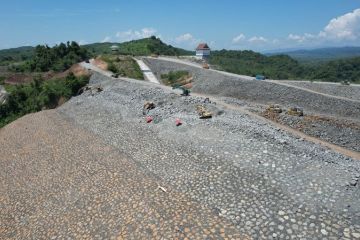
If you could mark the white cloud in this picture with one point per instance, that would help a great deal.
(297, 38)
(239, 38)
(187, 37)
(256, 39)
(345, 27)
(106, 39)
(137, 34)
(82, 42)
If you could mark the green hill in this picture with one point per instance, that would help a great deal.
(252, 63)
(141, 47)
(284, 67)
(58, 58)
(337, 70)
(16, 54)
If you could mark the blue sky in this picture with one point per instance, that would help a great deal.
(232, 24)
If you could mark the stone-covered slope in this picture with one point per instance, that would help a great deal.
(212, 82)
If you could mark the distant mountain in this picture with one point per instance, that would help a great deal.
(146, 46)
(321, 54)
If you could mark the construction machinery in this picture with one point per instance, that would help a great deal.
(185, 91)
(295, 111)
(205, 66)
(275, 108)
(203, 112)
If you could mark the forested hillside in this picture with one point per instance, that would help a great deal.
(285, 67)
(57, 58)
(141, 47)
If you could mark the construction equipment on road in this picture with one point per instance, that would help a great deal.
(147, 107)
(345, 83)
(275, 108)
(185, 91)
(295, 111)
(259, 77)
(206, 66)
(203, 112)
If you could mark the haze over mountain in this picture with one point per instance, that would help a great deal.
(320, 54)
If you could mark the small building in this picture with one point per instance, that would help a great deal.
(203, 51)
(114, 48)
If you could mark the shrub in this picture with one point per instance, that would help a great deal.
(39, 95)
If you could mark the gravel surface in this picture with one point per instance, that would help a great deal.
(58, 181)
(215, 83)
(351, 91)
(95, 169)
(267, 183)
(339, 132)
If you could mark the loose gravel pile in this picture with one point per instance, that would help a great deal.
(267, 183)
(212, 82)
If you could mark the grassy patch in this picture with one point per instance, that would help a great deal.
(176, 78)
(123, 66)
(39, 95)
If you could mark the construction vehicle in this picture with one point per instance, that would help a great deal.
(205, 66)
(275, 108)
(259, 77)
(185, 91)
(203, 112)
(295, 111)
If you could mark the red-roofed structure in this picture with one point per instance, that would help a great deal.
(203, 51)
(202, 46)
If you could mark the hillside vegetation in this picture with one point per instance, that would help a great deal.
(176, 78)
(252, 63)
(123, 66)
(141, 47)
(284, 67)
(39, 95)
(58, 58)
(8, 56)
